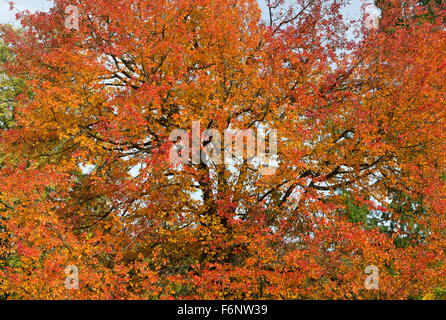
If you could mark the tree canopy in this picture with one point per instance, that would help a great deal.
(86, 179)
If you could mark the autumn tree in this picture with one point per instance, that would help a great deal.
(87, 181)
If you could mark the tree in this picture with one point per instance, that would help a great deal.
(87, 179)
(10, 88)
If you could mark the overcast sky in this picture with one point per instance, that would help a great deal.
(7, 16)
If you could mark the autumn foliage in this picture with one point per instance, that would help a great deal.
(85, 176)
